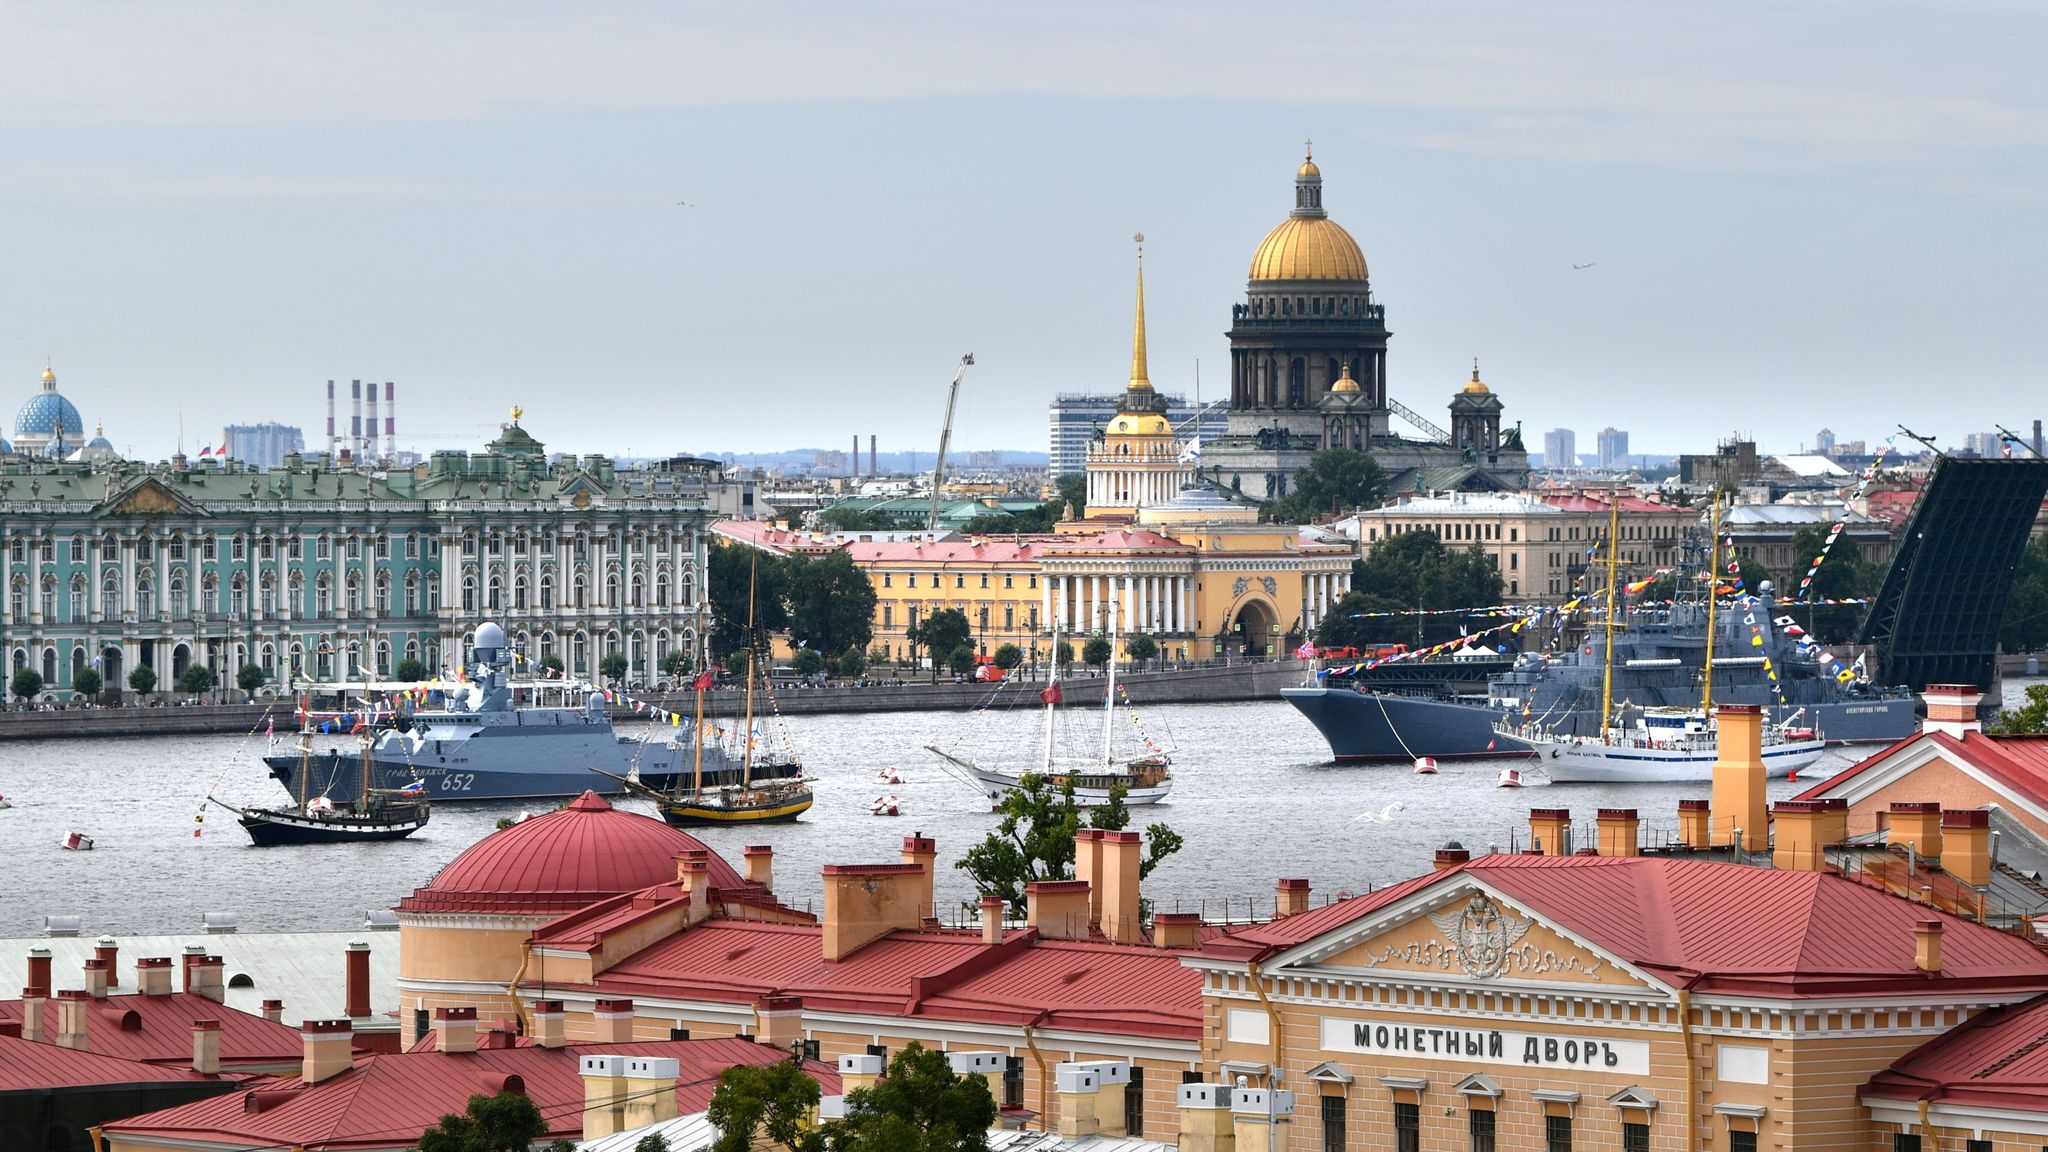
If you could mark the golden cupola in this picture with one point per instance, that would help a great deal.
(1308, 245)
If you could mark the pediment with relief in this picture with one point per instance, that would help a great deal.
(150, 497)
(1476, 937)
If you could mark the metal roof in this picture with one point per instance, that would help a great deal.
(1997, 1060)
(158, 1030)
(26, 1066)
(306, 970)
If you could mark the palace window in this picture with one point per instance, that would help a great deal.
(48, 551)
(78, 599)
(110, 548)
(265, 548)
(384, 593)
(1031, 581)
(1636, 1138)
(20, 598)
(323, 548)
(383, 547)
(238, 595)
(323, 596)
(145, 600)
(1013, 1082)
(209, 548)
(886, 582)
(177, 547)
(1009, 617)
(888, 616)
(49, 599)
(180, 608)
(355, 593)
(267, 593)
(1333, 1123)
(960, 580)
(1009, 581)
(1557, 1134)
(1407, 1128)
(984, 579)
(78, 550)
(19, 551)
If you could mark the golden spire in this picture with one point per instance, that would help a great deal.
(1344, 381)
(1139, 377)
(517, 411)
(1477, 386)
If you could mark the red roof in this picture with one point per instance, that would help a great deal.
(1997, 1060)
(1704, 924)
(1584, 502)
(158, 1029)
(26, 1066)
(1087, 986)
(566, 860)
(2018, 762)
(387, 1101)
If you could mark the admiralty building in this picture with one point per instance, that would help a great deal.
(316, 570)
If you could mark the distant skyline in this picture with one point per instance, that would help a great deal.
(664, 228)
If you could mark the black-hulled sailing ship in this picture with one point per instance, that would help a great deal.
(374, 814)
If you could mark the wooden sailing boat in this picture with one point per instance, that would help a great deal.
(1146, 780)
(376, 813)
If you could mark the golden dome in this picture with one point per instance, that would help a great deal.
(1476, 387)
(1308, 248)
(1308, 171)
(49, 375)
(1344, 382)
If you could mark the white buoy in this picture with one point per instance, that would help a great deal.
(1509, 778)
(1425, 766)
(76, 842)
(883, 806)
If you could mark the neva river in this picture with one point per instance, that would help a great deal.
(1254, 796)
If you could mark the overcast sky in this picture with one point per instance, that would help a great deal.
(1823, 214)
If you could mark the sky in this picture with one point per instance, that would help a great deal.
(671, 227)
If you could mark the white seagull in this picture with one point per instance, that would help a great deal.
(1383, 816)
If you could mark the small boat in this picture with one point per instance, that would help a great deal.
(1425, 766)
(883, 806)
(1509, 778)
(75, 842)
(375, 813)
(1664, 744)
(4, 803)
(889, 776)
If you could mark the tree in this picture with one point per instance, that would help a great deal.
(652, 1142)
(734, 568)
(1008, 656)
(1034, 838)
(552, 665)
(507, 1122)
(921, 1106)
(87, 682)
(26, 683)
(2029, 719)
(196, 680)
(851, 662)
(2026, 609)
(142, 679)
(613, 667)
(675, 663)
(808, 662)
(1073, 490)
(1141, 647)
(765, 1103)
(961, 662)
(1407, 573)
(847, 518)
(940, 633)
(1843, 577)
(1336, 480)
(1097, 652)
(250, 677)
(831, 603)
(1063, 653)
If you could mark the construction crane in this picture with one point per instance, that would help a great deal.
(931, 523)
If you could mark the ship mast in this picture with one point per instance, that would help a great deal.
(1052, 695)
(747, 733)
(702, 665)
(1109, 690)
(1713, 602)
(1607, 671)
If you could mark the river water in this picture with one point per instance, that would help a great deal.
(1255, 797)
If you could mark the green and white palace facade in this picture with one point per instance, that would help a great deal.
(313, 570)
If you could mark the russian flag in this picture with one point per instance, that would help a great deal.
(416, 788)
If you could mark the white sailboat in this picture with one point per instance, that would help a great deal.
(1146, 780)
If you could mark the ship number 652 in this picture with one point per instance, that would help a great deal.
(457, 781)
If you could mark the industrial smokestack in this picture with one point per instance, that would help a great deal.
(872, 470)
(330, 419)
(2037, 438)
(355, 419)
(390, 420)
(369, 451)
(854, 461)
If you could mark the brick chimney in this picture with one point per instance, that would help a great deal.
(1797, 837)
(922, 851)
(455, 1029)
(1058, 908)
(1739, 777)
(1952, 708)
(1695, 823)
(650, 1083)
(1618, 832)
(991, 919)
(153, 975)
(1123, 855)
(358, 991)
(693, 875)
(106, 949)
(1927, 945)
(1448, 858)
(1834, 820)
(328, 1049)
(864, 902)
(96, 978)
(1290, 897)
(987, 1065)
(1261, 1117)
(34, 1006)
(604, 1095)
(859, 1070)
(1205, 1118)
(1176, 930)
(779, 1021)
(612, 1021)
(203, 978)
(548, 1030)
(206, 1047)
(1088, 867)
(72, 1004)
(1091, 1096)
(273, 1011)
(1966, 845)
(1550, 828)
(760, 864)
(39, 969)
(1915, 825)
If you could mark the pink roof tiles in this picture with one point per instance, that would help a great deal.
(26, 1066)
(158, 1030)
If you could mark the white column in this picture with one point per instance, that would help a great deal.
(1044, 600)
(1180, 603)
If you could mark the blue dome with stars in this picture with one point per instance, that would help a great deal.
(48, 413)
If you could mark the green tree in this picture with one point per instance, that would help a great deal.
(552, 665)
(1141, 647)
(808, 662)
(26, 683)
(1844, 576)
(2026, 608)
(1008, 656)
(1336, 480)
(961, 662)
(250, 677)
(831, 603)
(940, 634)
(851, 662)
(196, 680)
(733, 568)
(878, 655)
(844, 517)
(675, 663)
(142, 679)
(652, 1142)
(770, 1104)
(1073, 490)
(507, 1122)
(87, 682)
(921, 1106)
(1063, 653)
(1034, 838)
(613, 667)
(2029, 719)
(1096, 652)
(1404, 573)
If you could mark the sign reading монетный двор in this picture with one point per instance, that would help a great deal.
(1490, 1045)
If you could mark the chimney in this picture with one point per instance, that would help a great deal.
(96, 978)
(1177, 929)
(871, 446)
(1834, 820)
(71, 1008)
(613, 1021)
(1088, 867)
(105, 949)
(548, 1031)
(1927, 945)
(34, 1003)
(693, 874)
(273, 1011)
(991, 919)
(355, 418)
(1058, 908)
(1123, 918)
(1448, 858)
(1695, 823)
(455, 1029)
(1618, 832)
(650, 1084)
(358, 998)
(604, 1095)
(1205, 1118)
(1739, 776)
(330, 418)
(1550, 830)
(1258, 1115)
(1290, 897)
(779, 1021)
(1797, 836)
(1091, 1098)
(920, 850)
(153, 975)
(987, 1065)
(390, 420)
(39, 969)
(1916, 826)
(859, 1071)
(191, 953)
(1951, 708)
(853, 461)
(370, 425)
(203, 978)
(206, 1047)
(760, 864)
(864, 902)
(328, 1049)
(1966, 846)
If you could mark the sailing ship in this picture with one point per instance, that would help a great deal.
(1146, 780)
(1651, 744)
(374, 814)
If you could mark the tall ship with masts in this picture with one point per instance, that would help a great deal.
(374, 813)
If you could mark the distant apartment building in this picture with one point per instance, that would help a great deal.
(1983, 444)
(1613, 448)
(1075, 417)
(263, 445)
(1824, 442)
(1560, 448)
